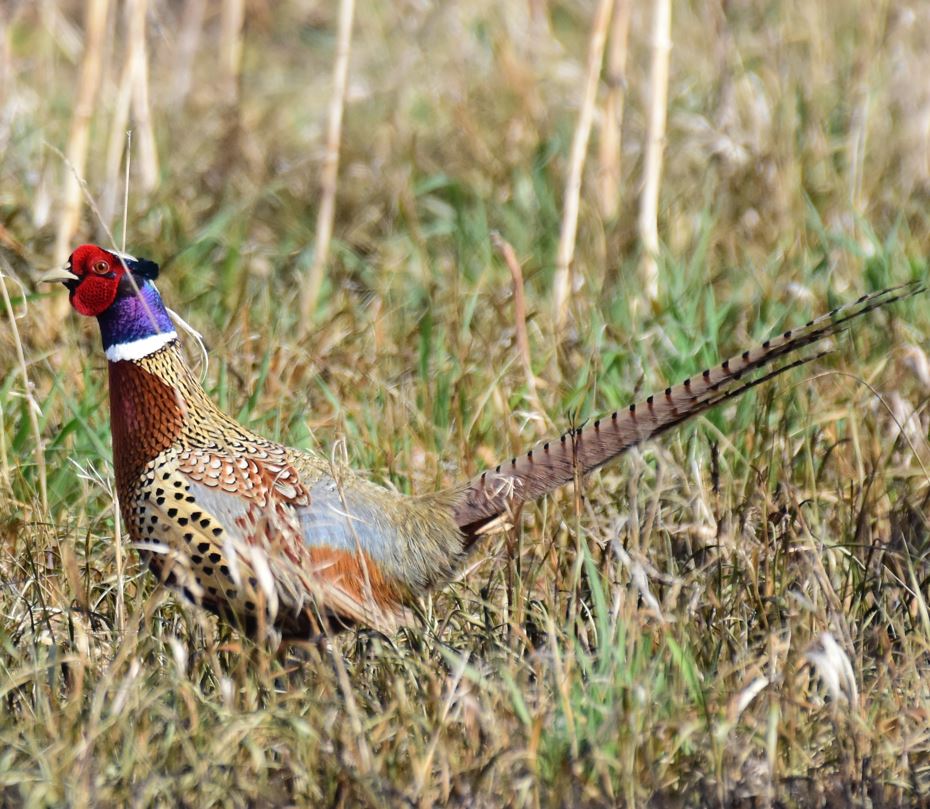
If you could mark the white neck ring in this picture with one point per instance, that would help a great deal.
(137, 349)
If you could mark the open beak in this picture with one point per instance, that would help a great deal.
(62, 274)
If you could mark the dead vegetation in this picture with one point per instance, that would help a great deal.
(736, 615)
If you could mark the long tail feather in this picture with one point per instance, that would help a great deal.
(554, 463)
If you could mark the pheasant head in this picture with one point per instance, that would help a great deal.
(119, 290)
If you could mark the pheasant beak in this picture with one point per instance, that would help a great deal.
(62, 274)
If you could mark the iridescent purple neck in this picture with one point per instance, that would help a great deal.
(136, 325)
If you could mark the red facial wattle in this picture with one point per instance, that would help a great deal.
(93, 295)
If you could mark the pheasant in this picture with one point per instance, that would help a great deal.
(281, 539)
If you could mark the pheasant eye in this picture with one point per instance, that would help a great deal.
(101, 267)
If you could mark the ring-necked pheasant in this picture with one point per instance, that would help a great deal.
(266, 535)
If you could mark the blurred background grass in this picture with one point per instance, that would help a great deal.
(659, 641)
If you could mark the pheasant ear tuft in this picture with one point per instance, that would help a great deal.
(146, 269)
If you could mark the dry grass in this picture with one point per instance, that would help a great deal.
(660, 641)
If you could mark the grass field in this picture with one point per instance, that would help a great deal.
(734, 615)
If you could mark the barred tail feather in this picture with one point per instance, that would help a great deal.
(554, 463)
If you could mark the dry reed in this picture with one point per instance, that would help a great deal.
(329, 175)
(85, 105)
(657, 94)
(562, 282)
(610, 151)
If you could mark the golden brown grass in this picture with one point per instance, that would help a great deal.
(659, 641)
